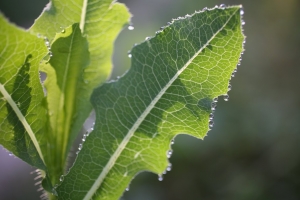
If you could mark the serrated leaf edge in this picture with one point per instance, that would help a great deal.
(130, 133)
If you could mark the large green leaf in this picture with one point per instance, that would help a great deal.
(22, 116)
(169, 90)
(100, 21)
(65, 86)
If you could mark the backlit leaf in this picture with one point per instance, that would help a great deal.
(169, 90)
(65, 87)
(100, 21)
(22, 116)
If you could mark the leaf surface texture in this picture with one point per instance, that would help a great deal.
(22, 115)
(65, 87)
(168, 90)
(100, 22)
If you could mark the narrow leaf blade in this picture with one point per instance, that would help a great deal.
(22, 115)
(65, 87)
(100, 21)
(169, 90)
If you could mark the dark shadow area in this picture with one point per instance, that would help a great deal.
(21, 95)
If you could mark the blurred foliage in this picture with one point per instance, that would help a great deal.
(252, 152)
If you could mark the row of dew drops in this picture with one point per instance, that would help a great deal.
(84, 136)
(48, 43)
(222, 6)
(226, 96)
(169, 167)
(213, 104)
(215, 100)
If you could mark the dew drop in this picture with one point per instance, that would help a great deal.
(50, 54)
(147, 38)
(130, 27)
(204, 9)
(243, 22)
(211, 116)
(216, 6)
(169, 153)
(160, 178)
(215, 100)
(80, 147)
(47, 43)
(229, 87)
(172, 142)
(77, 152)
(169, 168)
(222, 6)
(127, 189)
(63, 31)
(129, 55)
(84, 137)
(165, 172)
(54, 190)
(211, 124)
(213, 105)
(242, 12)
(226, 97)
(10, 154)
(61, 178)
(187, 16)
(233, 74)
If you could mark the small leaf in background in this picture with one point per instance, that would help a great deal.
(101, 22)
(22, 116)
(169, 90)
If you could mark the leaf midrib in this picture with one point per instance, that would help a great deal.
(83, 15)
(131, 132)
(62, 100)
(22, 119)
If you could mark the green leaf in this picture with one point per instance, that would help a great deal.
(22, 116)
(65, 86)
(101, 22)
(169, 90)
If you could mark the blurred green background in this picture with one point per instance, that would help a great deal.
(253, 150)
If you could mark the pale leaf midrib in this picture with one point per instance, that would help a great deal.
(63, 98)
(22, 119)
(130, 133)
(83, 15)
